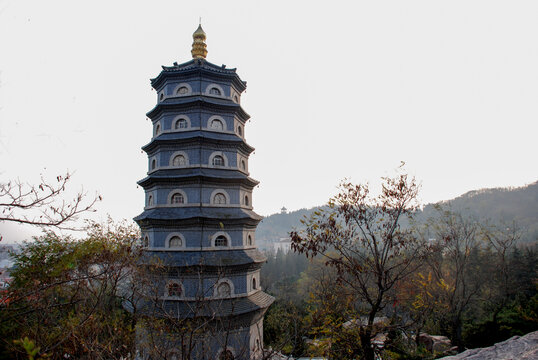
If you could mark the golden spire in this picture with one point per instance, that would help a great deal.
(199, 47)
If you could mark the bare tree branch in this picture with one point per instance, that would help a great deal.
(43, 204)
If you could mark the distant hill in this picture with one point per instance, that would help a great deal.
(499, 204)
(276, 226)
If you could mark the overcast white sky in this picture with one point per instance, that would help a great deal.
(335, 89)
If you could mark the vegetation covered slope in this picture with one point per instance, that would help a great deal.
(496, 205)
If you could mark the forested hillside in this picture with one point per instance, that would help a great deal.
(499, 205)
(361, 275)
(496, 205)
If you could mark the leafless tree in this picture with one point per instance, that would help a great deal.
(43, 204)
(457, 241)
(502, 238)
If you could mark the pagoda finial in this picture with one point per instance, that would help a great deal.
(199, 47)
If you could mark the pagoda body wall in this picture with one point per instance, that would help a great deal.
(198, 221)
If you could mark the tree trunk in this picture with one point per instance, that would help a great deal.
(366, 343)
(457, 338)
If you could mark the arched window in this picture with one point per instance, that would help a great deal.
(174, 289)
(214, 91)
(153, 164)
(182, 90)
(181, 124)
(247, 203)
(249, 240)
(254, 283)
(177, 198)
(145, 241)
(218, 160)
(216, 124)
(161, 97)
(179, 160)
(150, 200)
(240, 130)
(219, 199)
(157, 129)
(175, 242)
(226, 355)
(243, 165)
(224, 289)
(221, 240)
(236, 99)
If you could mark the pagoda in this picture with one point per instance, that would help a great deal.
(198, 222)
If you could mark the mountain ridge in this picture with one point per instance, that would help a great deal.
(500, 205)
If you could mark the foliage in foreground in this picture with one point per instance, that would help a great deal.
(453, 276)
(66, 296)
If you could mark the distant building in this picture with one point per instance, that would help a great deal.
(283, 244)
(283, 210)
(5, 278)
(198, 220)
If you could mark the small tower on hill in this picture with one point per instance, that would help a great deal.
(198, 221)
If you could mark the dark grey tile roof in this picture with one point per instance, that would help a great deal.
(180, 213)
(198, 100)
(207, 308)
(224, 175)
(183, 137)
(192, 64)
(206, 258)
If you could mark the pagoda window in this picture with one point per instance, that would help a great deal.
(153, 164)
(216, 125)
(253, 283)
(219, 199)
(175, 242)
(243, 165)
(150, 200)
(145, 241)
(181, 124)
(179, 160)
(215, 91)
(224, 289)
(221, 240)
(177, 198)
(161, 97)
(182, 89)
(246, 200)
(157, 129)
(218, 161)
(226, 355)
(174, 289)
(236, 99)
(239, 131)
(249, 240)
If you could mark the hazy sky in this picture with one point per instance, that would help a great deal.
(335, 89)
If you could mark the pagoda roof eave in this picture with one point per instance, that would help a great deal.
(186, 174)
(205, 258)
(208, 214)
(178, 103)
(220, 308)
(200, 66)
(197, 136)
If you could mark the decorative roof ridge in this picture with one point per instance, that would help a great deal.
(202, 66)
(199, 63)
